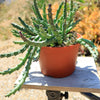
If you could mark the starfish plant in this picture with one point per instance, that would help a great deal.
(45, 31)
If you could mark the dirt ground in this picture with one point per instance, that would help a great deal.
(7, 82)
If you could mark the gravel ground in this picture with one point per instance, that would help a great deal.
(7, 82)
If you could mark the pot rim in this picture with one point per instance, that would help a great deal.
(63, 46)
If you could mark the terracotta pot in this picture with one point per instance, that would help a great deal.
(58, 61)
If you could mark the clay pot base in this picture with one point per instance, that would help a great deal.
(57, 76)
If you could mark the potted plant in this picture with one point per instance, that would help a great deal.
(48, 41)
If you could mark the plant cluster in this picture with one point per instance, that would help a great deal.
(45, 32)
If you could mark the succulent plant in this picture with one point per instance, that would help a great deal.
(45, 31)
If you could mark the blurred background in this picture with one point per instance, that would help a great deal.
(10, 10)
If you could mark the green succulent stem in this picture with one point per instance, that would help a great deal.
(53, 27)
(71, 15)
(14, 53)
(16, 34)
(64, 20)
(35, 43)
(10, 70)
(36, 10)
(28, 28)
(19, 42)
(58, 12)
(65, 11)
(72, 26)
(24, 74)
(50, 17)
(20, 28)
(90, 46)
(43, 33)
(44, 13)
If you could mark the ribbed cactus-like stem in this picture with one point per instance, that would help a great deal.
(16, 34)
(36, 10)
(19, 42)
(35, 43)
(37, 23)
(20, 28)
(37, 55)
(24, 74)
(70, 17)
(10, 70)
(90, 46)
(28, 28)
(14, 53)
(44, 13)
(58, 12)
(71, 39)
(65, 11)
(53, 27)
(71, 5)
(72, 26)
(50, 17)
(43, 33)
(64, 20)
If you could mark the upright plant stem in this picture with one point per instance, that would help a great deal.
(65, 16)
